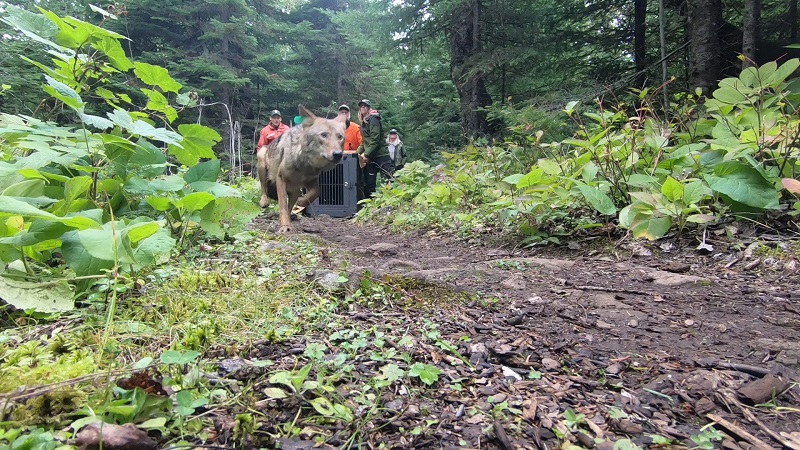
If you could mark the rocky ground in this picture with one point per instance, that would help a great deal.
(599, 344)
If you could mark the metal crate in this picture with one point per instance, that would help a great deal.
(338, 193)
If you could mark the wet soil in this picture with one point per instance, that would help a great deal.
(593, 343)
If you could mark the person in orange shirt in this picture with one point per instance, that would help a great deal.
(274, 129)
(352, 134)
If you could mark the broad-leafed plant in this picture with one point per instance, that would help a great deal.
(105, 178)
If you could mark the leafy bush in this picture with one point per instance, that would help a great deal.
(114, 185)
(735, 153)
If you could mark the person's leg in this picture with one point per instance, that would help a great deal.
(370, 178)
(386, 169)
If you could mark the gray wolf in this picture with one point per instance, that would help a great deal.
(294, 162)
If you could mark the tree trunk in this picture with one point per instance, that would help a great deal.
(705, 18)
(662, 40)
(750, 31)
(465, 46)
(793, 20)
(640, 48)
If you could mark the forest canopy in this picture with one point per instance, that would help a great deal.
(440, 72)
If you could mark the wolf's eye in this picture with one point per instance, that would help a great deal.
(340, 136)
(324, 135)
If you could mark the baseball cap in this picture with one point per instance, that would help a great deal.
(275, 112)
(393, 131)
(345, 107)
(365, 102)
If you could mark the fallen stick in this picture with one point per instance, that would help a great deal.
(612, 289)
(502, 436)
(740, 432)
(752, 418)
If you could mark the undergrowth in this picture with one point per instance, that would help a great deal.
(644, 170)
(245, 302)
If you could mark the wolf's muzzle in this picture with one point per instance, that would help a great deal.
(337, 156)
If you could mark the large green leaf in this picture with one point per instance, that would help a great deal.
(598, 199)
(25, 20)
(112, 48)
(196, 201)
(64, 93)
(11, 206)
(651, 228)
(157, 102)
(198, 142)
(205, 171)
(169, 183)
(672, 189)
(141, 128)
(729, 95)
(217, 189)
(532, 178)
(156, 76)
(49, 297)
(743, 184)
(39, 231)
(79, 259)
(228, 215)
(154, 249)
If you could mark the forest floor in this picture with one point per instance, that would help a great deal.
(599, 343)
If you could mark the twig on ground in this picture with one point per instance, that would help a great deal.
(502, 436)
(752, 418)
(739, 432)
(613, 289)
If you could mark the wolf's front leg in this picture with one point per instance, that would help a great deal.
(263, 175)
(312, 193)
(284, 218)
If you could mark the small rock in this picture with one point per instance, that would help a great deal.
(550, 364)
(509, 373)
(704, 406)
(515, 282)
(633, 323)
(626, 426)
(488, 390)
(394, 405)
(411, 411)
(383, 248)
(484, 406)
(688, 322)
(402, 264)
(604, 325)
(605, 445)
(497, 398)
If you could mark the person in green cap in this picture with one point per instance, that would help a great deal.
(373, 154)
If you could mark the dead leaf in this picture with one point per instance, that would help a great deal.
(114, 437)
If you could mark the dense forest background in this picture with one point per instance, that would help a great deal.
(439, 71)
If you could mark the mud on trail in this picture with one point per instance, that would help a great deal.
(590, 347)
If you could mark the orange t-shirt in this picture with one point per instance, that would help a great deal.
(269, 134)
(352, 138)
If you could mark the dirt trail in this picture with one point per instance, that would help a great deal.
(641, 346)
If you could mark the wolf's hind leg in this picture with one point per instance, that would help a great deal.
(263, 176)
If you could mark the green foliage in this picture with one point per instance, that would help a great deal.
(102, 200)
(734, 154)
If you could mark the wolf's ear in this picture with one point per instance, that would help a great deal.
(340, 118)
(306, 113)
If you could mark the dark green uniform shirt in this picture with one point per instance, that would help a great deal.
(372, 143)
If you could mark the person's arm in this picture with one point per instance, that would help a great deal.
(372, 142)
(262, 138)
(358, 138)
